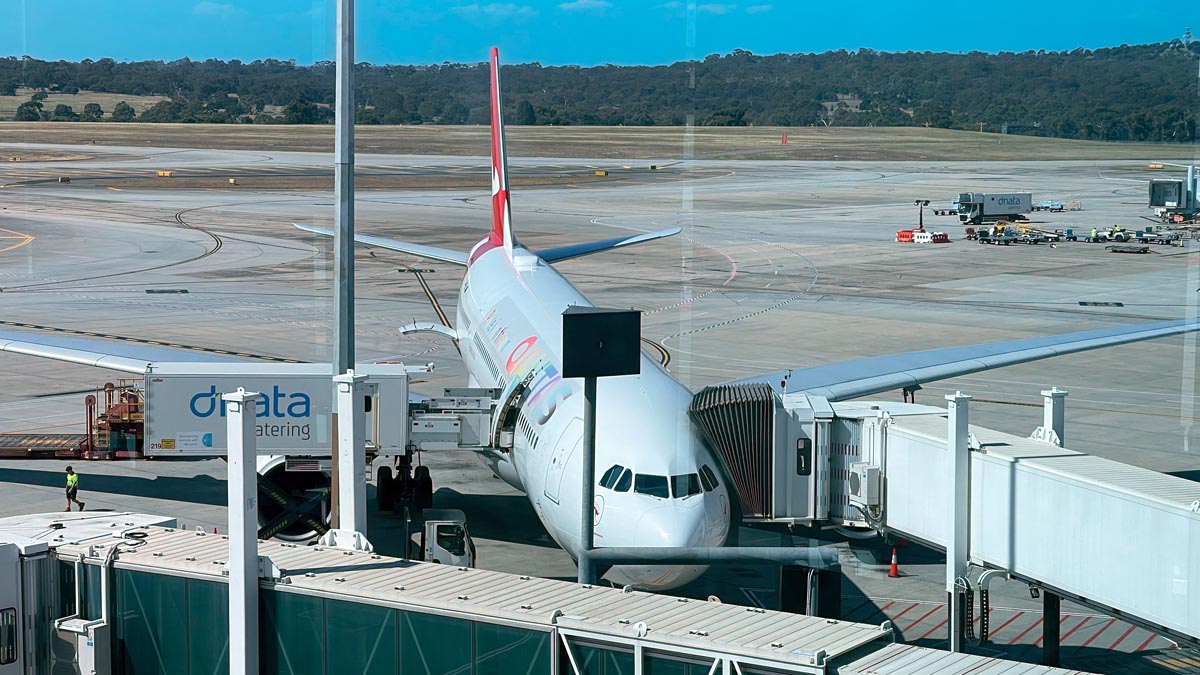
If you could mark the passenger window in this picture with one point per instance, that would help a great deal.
(685, 485)
(708, 478)
(649, 484)
(625, 482)
(609, 479)
(8, 636)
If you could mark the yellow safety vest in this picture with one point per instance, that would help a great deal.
(72, 480)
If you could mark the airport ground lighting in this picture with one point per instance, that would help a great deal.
(921, 204)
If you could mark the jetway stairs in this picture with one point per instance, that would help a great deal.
(1118, 538)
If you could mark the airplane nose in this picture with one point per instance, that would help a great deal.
(668, 526)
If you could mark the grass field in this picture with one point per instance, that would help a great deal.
(8, 104)
(663, 143)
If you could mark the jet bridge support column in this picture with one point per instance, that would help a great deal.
(242, 482)
(1053, 415)
(351, 452)
(1051, 627)
(958, 544)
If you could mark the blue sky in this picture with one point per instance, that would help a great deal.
(556, 32)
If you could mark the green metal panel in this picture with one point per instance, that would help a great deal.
(292, 634)
(208, 627)
(434, 645)
(596, 660)
(92, 605)
(151, 623)
(66, 590)
(659, 664)
(502, 650)
(360, 638)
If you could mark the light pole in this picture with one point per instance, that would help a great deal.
(921, 204)
(596, 343)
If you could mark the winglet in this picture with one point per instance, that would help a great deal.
(501, 234)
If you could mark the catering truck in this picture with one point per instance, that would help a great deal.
(979, 207)
(293, 415)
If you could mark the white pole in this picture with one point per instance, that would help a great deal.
(351, 458)
(1054, 413)
(242, 481)
(957, 545)
(343, 193)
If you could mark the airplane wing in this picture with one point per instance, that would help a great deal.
(863, 377)
(432, 252)
(576, 250)
(125, 357)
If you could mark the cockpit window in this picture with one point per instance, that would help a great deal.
(649, 484)
(609, 479)
(685, 485)
(708, 478)
(624, 482)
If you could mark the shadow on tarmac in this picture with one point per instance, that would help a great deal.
(201, 489)
(508, 518)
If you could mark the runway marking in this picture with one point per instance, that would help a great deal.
(25, 239)
(1146, 643)
(1063, 620)
(437, 307)
(1025, 632)
(906, 611)
(926, 615)
(1002, 626)
(1095, 635)
(1122, 638)
(664, 356)
(936, 628)
(144, 341)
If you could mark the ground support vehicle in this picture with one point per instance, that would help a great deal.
(976, 208)
(445, 539)
(995, 235)
(1048, 205)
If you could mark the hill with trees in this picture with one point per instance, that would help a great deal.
(1139, 93)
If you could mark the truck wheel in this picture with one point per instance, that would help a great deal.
(385, 490)
(423, 488)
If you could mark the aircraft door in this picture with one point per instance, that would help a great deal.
(568, 443)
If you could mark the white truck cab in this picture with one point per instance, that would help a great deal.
(444, 538)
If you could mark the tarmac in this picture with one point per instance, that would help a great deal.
(782, 264)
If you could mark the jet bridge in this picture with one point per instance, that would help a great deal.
(1120, 538)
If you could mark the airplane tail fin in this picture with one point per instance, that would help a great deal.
(501, 234)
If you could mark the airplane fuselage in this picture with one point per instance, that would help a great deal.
(658, 483)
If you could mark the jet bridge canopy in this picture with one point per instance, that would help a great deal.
(1117, 537)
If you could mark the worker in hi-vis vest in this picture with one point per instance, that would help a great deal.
(73, 489)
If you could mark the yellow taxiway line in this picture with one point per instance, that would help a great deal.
(24, 239)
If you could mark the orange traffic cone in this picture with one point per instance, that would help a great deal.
(894, 570)
(893, 552)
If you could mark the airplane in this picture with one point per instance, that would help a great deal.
(658, 482)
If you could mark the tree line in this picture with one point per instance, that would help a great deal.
(1138, 92)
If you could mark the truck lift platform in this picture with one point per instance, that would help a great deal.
(33, 446)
